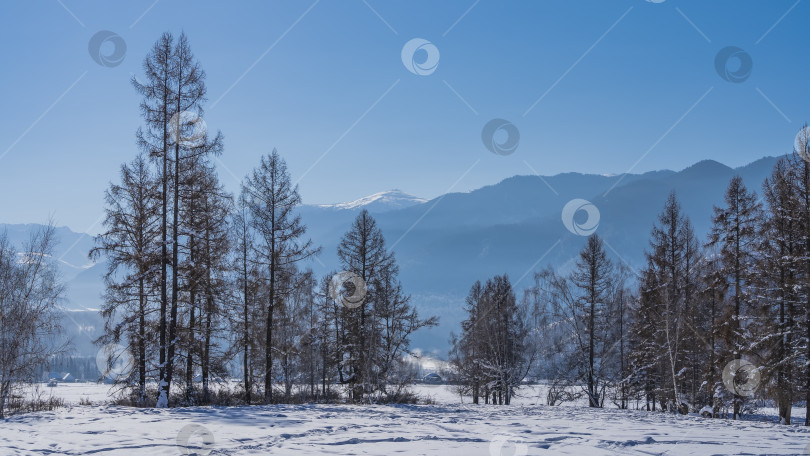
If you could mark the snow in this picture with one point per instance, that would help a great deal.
(393, 199)
(73, 393)
(446, 428)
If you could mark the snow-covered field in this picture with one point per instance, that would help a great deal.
(447, 428)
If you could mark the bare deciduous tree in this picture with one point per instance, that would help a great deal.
(29, 315)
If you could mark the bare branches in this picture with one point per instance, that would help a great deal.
(30, 292)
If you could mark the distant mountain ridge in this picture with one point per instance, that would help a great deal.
(71, 250)
(446, 243)
(82, 323)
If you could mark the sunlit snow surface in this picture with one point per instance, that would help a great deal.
(449, 428)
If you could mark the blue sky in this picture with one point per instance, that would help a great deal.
(325, 84)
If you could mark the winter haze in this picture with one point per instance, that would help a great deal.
(404, 227)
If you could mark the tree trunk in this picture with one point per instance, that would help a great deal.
(164, 259)
(4, 389)
(209, 310)
(164, 233)
(206, 358)
(268, 355)
(621, 352)
(141, 338)
(246, 340)
(788, 400)
(591, 326)
(165, 384)
(806, 182)
(190, 357)
(736, 326)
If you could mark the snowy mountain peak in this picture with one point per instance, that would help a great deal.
(379, 202)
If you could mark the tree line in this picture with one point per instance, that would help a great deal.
(705, 326)
(201, 283)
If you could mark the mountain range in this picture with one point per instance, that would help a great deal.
(446, 243)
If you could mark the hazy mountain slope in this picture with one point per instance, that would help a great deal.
(81, 323)
(70, 251)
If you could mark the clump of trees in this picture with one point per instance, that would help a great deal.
(372, 339)
(30, 292)
(201, 285)
(581, 317)
(167, 234)
(701, 308)
(279, 244)
(495, 350)
(671, 347)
